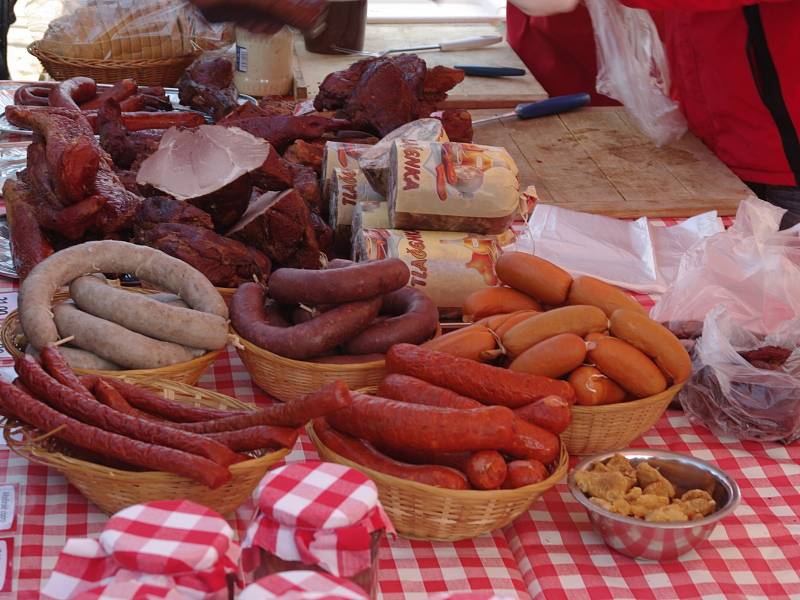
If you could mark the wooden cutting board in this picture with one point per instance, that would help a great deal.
(474, 92)
(595, 160)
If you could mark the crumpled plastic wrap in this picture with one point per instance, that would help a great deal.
(132, 30)
(732, 397)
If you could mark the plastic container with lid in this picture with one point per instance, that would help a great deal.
(263, 65)
(344, 28)
(317, 516)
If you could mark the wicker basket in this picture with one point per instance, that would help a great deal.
(286, 379)
(13, 340)
(149, 71)
(114, 489)
(597, 429)
(425, 512)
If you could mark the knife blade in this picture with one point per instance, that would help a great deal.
(542, 108)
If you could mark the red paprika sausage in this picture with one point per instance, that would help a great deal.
(416, 391)
(150, 456)
(32, 95)
(72, 92)
(524, 472)
(331, 398)
(118, 92)
(552, 413)
(352, 283)
(58, 368)
(77, 405)
(149, 401)
(403, 425)
(365, 455)
(531, 441)
(141, 120)
(485, 383)
(256, 438)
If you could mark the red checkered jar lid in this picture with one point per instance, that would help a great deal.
(128, 590)
(303, 585)
(320, 514)
(175, 544)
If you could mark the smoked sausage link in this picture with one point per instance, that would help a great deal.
(524, 472)
(257, 438)
(71, 92)
(415, 320)
(300, 342)
(410, 389)
(403, 425)
(486, 470)
(360, 281)
(150, 456)
(365, 455)
(331, 398)
(92, 412)
(551, 413)
(533, 442)
(485, 383)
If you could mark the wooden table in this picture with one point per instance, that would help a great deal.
(474, 92)
(595, 160)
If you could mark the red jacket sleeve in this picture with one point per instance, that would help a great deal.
(693, 5)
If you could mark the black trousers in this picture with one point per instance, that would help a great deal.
(787, 197)
(7, 19)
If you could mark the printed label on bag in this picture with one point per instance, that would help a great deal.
(8, 507)
(6, 560)
(241, 59)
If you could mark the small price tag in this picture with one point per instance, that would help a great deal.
(8, 507)
(6, 563)
(8, 303)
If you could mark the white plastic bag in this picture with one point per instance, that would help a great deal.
(732, 397)
(634, 255)
(632, 68)
(752, 269)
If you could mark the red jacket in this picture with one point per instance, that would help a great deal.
(735, 70)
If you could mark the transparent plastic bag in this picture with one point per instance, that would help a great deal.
(132, 30)
(752, 269)
(732, 397)
(633, 68)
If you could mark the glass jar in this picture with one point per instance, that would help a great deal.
(367, 579)
(263, 64)
(345, 27)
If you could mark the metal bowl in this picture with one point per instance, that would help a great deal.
(661, 541)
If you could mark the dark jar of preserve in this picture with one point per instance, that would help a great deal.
(344, 28)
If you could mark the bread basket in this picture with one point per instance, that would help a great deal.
(426, 512)
(597, 429)
(14, 341)
(146, 71)
(113, 489)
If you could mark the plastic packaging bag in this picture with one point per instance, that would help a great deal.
(752, 269)
(633, 68)
(732, 397)
(634, 255)
(132, 30)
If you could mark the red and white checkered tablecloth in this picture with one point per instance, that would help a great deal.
(551, 552)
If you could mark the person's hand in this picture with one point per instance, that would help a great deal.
(543, 8)
(262, 16)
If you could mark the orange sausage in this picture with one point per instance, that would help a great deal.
(580, 320)
(627, 366)
(475, 342)
(495, 301)
(514, 319)
(554, 357)
(495, 321)
(655, 340)
(536, 277)
(608, 298)
(592, 388)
